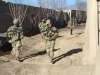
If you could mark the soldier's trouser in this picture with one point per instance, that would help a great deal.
(71, 31)
(49, 48)
(15, 51)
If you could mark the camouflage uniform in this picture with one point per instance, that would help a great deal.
(42, 25)
(15, 34)
(50, 35)
(71, 25)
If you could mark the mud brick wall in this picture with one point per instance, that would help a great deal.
(34, 15)
(5, 17)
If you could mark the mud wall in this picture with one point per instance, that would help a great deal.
(33, 17)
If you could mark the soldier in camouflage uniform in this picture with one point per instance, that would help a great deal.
(42, 25)
(50, 35)
(71, 25)
(15, 34)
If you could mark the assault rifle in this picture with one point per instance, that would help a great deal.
(49, 31)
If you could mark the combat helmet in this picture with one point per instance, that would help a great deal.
(48, 22)
(43, 20)
(15, 21)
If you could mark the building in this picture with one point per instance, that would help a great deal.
(92, 36)
(80, 15)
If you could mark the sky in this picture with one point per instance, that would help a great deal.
(72, 2)
(35, 2)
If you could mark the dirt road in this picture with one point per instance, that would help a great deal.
(34, 61)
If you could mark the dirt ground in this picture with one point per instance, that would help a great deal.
(34, 60)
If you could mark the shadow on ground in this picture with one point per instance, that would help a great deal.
(73, 51)
(79, 33)
(60, 36)
(36, 54)
(5, 46)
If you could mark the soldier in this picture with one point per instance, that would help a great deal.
(15, 34)
(50, 35)
(42, 25)
(71, 25)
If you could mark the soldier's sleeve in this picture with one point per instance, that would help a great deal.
(55, 33)
(9, 29)
(9, 33)
(40, 28)
(21, 34)
(44, 31)
(39, 25)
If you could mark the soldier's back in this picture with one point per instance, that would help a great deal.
(42, 25)
(11, 28)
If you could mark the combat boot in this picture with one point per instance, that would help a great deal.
(71, 32)
(17, 59)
